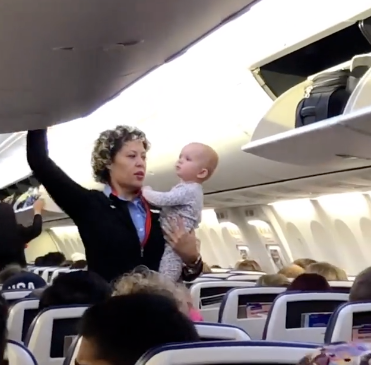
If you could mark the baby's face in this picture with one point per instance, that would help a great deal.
(191, 163)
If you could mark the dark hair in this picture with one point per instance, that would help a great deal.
(123, 328)
(78, 287)
(108, 144)
(80, 264)
(53, 259)
(309, 282)
(39, 261)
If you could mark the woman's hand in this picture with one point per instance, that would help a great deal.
(183, 243)
(39, 205)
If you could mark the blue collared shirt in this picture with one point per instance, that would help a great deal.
(137, 212)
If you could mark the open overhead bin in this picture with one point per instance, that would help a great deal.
(22, 194)
(339, 143)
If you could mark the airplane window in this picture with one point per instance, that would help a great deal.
(294, 68)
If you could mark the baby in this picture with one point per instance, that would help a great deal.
(196, 163)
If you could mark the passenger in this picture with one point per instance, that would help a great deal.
(14, 237)
(152, 282)
(78, 287)
(122, 329)
(215, 267)
(304, 263)
(66, 263)
(196, 164)
(361, 288)
(310, 282)
(39, 261)
(247, 265)
(54, 259)
(206, 269)
(119, 214)
(80, 265)
(10, 271)
(24, 280)
(328, 271)
(273, 280)
(291, 271)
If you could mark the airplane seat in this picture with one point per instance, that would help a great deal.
(301, 315)
(227, 352)
(71, 355)
(50, 330)
(350, 322)
(220, 332)
(246, 277)
(248, 308)
(12, 296)
(341, 286)
(359, 83)
(48, 272)
(206, 331)
(17, 354)
(21, 315)
(208, 295)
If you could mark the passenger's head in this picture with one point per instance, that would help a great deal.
(24, 280)
(120, 330)
(119, 156)
(361, 288)
(54, 259)
(273, 280)
(9, 271)
(328, 271)
(39, 261)
(151, 282)
(304, 262)
(197, 162)
(247, 265)
(78, 287)
(215, 267)
(3, 326)
(309, 282)
(81, 264)
(206, 268)
(291, 271)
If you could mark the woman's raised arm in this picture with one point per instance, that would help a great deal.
(67, 194)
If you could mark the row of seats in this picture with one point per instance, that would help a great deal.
(240, 306)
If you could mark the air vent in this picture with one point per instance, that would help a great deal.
(222, 216)
(249, 213)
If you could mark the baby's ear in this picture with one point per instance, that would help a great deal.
(203, 174)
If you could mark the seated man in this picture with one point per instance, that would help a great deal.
(77, 287)
(120, 330)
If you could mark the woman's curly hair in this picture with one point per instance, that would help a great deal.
(108, 144)
(148, 281)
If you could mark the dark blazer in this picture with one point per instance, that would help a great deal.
(14, 237)
(107, 231)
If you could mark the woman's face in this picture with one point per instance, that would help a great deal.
(128, 168)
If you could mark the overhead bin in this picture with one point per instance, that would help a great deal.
(339, 143)
(22, 194)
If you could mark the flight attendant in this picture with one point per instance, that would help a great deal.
(14, 237)
(117, 227)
